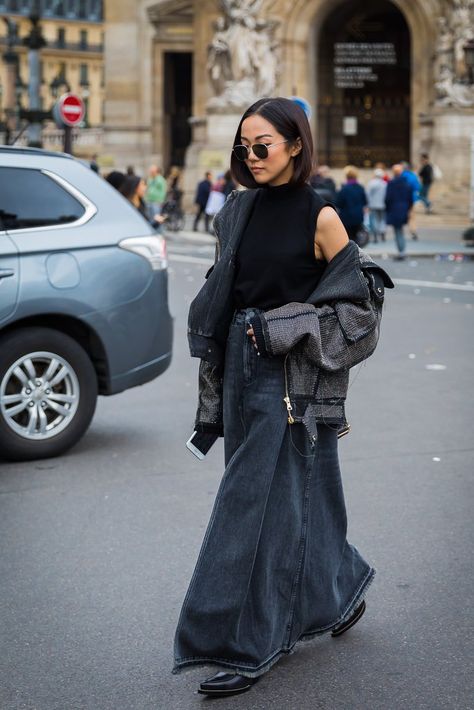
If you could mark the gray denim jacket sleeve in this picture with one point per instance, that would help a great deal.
(209, 414)
(332, 337)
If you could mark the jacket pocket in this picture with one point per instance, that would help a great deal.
(356, 320)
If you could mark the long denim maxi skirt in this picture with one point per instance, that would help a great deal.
(275, 566)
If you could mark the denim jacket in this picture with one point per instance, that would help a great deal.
(337, 328)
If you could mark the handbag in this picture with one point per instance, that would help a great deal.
(362, 236)
(214, 203)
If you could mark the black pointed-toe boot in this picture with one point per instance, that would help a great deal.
(223, 684)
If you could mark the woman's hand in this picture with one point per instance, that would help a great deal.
(251, 335)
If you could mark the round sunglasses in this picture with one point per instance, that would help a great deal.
(260, 150)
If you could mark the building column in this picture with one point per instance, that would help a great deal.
(127, 59)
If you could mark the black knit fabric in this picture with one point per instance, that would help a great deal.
(275, 263)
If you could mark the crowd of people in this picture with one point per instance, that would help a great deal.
(156, 197)
(388, 199)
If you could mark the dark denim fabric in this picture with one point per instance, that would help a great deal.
(275, 566)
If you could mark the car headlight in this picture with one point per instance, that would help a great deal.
(153, 249)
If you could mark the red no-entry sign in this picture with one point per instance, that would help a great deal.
(69, 110)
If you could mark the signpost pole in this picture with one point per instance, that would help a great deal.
(68, 139)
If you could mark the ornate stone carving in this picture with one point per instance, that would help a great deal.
(242, 57)
(452, 80)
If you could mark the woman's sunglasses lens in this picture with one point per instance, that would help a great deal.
(241, 152)
(260, 150)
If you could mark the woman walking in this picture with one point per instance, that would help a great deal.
(289, 306)
(351, 201)
(375, 191)
(133, 188)
(398, 203)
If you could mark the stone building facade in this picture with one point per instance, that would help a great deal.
(385, 79)
(72, 57)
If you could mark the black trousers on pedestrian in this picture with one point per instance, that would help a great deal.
(201, 211)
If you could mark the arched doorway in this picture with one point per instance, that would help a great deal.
(363, 79)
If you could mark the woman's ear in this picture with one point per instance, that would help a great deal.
(297, 148)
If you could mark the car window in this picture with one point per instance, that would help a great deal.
(29, 198)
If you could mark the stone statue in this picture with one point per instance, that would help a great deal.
(218, 58)
(242, 57)
(463, 26)
(12, 32)
(451, 72)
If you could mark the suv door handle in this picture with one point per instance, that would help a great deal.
(6, 272)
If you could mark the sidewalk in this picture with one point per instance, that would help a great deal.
(433, 239)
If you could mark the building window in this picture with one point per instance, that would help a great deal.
(61, 41)
(84, 75)
(72, 9)
(95, 10)
(83, 42)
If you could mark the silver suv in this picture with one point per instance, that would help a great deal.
(83, 300)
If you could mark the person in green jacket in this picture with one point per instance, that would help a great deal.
(156, 190)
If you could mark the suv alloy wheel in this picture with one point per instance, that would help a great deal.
(48, 393)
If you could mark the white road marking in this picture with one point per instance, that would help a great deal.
(194, 259)
(434, 284)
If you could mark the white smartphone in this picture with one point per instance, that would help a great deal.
(199, 443)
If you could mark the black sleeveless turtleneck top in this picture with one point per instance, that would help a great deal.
(275, 261)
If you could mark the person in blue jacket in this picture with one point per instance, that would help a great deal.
(398, 203)
(202, 195)
(412, 179)
(351, 201)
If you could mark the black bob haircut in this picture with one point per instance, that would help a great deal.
(290, 120)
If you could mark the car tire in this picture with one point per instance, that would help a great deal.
(50, 379)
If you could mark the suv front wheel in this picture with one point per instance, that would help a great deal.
(48, 393)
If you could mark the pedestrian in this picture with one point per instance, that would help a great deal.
(322, 182)
(381, 166)
(174, 191)
(270, 328)
(398, 203)
(94, 165)
(412, 179)
(229, 184)
(202, 195)
(156, 190)
(133, 188)
(130, 170)
(426, 174)
(351, 201)
(216, 198)
(116, 179)
(375, 191)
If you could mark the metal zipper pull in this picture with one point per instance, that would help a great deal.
(287, 398)
(289, 409)
(345, 430)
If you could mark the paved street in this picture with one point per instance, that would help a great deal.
(98, 546)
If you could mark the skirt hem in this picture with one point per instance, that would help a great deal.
(358, 597)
